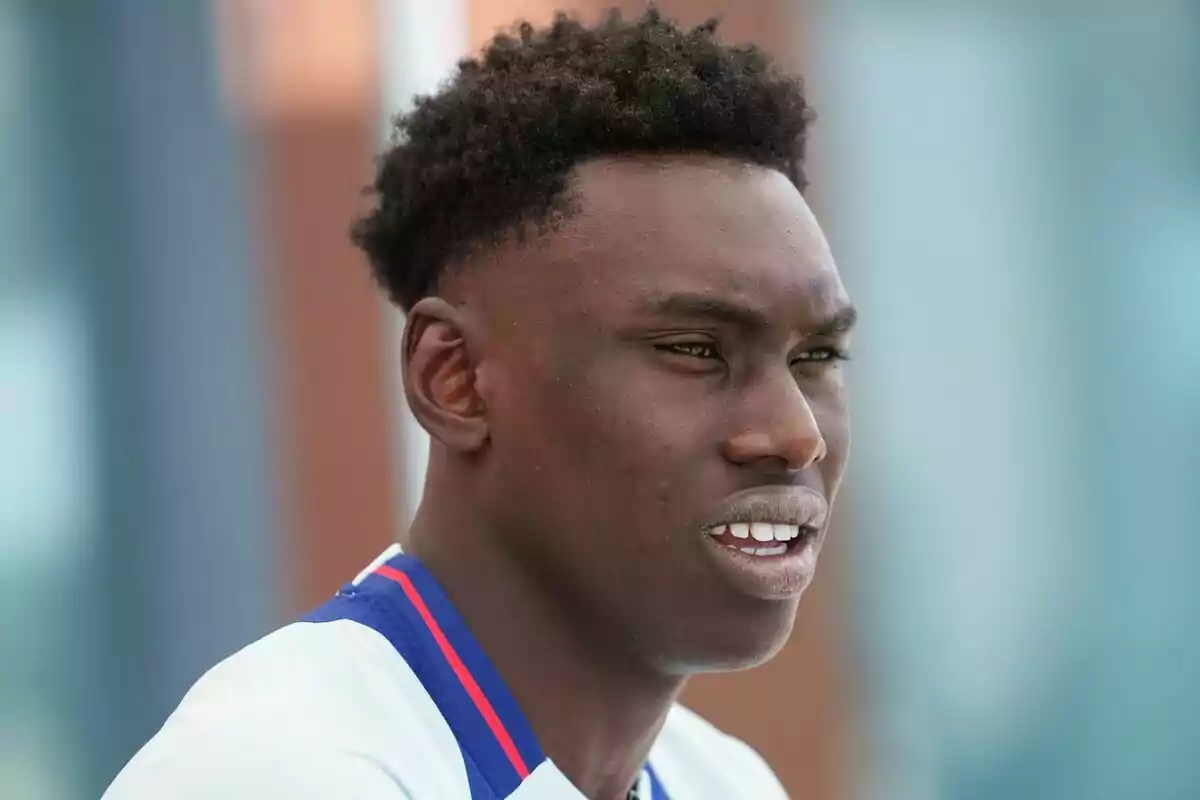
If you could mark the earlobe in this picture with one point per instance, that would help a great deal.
(439, 376)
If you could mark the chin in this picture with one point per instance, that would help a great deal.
(730, 644)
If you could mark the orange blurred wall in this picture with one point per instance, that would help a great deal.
(302, 77)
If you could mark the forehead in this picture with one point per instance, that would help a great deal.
(661, 225)
(643, 228)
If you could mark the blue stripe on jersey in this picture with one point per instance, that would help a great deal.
(657, 792)
(381, 604)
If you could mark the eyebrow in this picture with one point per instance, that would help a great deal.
(839, 323)
(701, 306)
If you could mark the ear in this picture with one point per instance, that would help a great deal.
(439, 376)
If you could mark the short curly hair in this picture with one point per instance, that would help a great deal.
(492, 151)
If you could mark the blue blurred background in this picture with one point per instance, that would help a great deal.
(200, 434)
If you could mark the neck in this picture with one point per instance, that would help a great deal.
(596, 712)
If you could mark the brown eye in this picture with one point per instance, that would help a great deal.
(699, 350)
(821, 355)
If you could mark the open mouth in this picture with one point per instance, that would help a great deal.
(764, 539)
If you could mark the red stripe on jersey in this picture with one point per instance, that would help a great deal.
(460, 669)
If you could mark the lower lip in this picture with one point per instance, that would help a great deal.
(780, 577)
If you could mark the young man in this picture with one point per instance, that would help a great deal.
(625, 334)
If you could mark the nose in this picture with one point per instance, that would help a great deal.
(781, 432)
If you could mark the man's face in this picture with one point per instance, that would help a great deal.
(659, 373)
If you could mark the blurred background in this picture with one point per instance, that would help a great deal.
(201, 437)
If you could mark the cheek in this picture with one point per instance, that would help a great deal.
(626, 437)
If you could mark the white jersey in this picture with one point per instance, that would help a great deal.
(383, 694)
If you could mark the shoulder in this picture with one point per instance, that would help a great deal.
(693, 758)
(241, 768)
(313, 710)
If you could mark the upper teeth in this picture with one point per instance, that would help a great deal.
(759, 531)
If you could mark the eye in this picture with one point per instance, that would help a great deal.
(821, 355)
(700, 350)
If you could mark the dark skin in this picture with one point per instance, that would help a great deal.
(596, 394)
